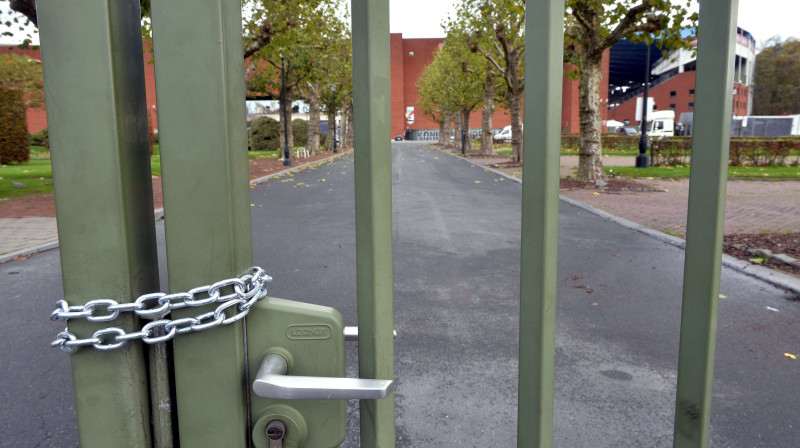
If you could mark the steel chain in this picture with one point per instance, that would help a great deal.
(247, 290)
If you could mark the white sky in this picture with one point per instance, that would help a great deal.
(423, 18)
(763, 18)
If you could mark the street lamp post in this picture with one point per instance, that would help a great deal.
(333, 87)
(287, 156)
(641, 160)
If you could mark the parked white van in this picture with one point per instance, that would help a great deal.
(504, 136)
(662, 124)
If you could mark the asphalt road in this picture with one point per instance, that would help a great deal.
(456, 264)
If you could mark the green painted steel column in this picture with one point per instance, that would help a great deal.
(544, 40)
(712, 120)
(97, 118)
(373, 185)
(200, 85)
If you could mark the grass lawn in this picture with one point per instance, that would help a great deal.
(252, 155)
(753, 172)
(505, 148)
(37, 174)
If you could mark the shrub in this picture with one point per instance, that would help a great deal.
(322, 139)
(675, 151)
(300, 132)
(264, 134)
(753, 151)
(40, 138)
(15, 145)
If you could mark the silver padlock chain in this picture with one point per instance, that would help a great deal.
(247, 290)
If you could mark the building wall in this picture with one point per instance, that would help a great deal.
(406, 70)
(37, 118)
(682, 87)
(397, 84)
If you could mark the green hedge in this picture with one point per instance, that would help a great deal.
(264, 134)
(743, 151)
(40, 138)
(15, 145)
(300, 132)
(608, 142)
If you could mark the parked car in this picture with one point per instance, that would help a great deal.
(628, 130)
(398, 138)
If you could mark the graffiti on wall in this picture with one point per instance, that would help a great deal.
(433, 134)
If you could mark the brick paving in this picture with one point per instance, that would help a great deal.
(752, 206)
(24, 233)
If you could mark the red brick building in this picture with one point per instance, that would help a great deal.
(410, 56)
(37, 118)
(677, 94)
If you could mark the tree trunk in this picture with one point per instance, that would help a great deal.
(487, 145)
(465, 113)
(350, 134)
(515, 102)
(287, 106)
(590, 163)
(345, 128)
(331, 129)
(456, 142)
(444, 129)
(313, 119)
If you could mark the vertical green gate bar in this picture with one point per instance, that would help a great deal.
(712, 121)
(97, 117)
(201, 99)
(373, 185)
(544, 40)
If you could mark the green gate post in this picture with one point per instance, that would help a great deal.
(710, 145)
(97, 117)
(544, 40)
(201, 99)
(373, 192)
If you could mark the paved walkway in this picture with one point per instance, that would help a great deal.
(752, 206)
(29, 234)
(25, 233)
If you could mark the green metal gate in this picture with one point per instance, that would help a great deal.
(92, 57)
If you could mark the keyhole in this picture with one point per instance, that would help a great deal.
(275, 430)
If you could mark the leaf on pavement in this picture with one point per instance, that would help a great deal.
(789, 355)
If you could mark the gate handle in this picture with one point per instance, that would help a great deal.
(273, 382)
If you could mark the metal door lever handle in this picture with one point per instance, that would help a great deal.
(273, 382)
(351, 334)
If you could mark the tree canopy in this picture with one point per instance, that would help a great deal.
(592, 26)
(24, 74)
(495, 29)
(777, 78)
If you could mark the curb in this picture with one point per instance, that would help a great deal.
(29, 251)
(771, 276)
(159, 212)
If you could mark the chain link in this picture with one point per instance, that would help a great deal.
(233, 306)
